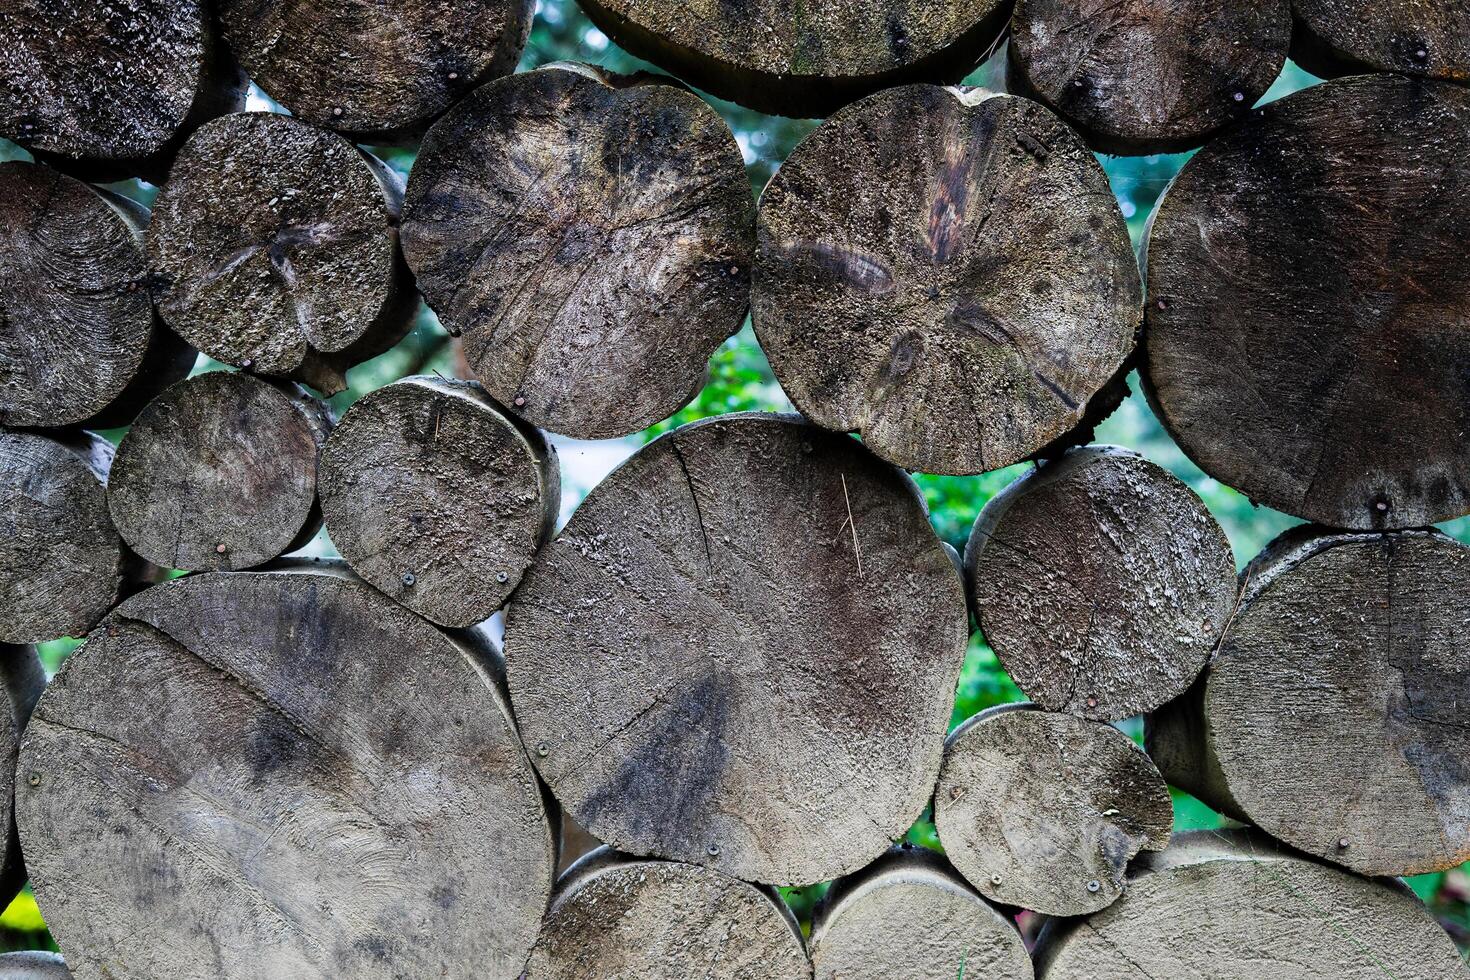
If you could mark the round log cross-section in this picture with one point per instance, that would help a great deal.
(33, 965)
(437, 498)
(742, 652)
(1045, 810)
(949, 275)
(22, 679)
(219, 472)
(1411, 37)
(591, 236)
(1101, 582)
(1148, 77)
(79, 343)
(1304, 350)
(376, 72)
(805, 60)
(615, 916)
(274, 248)
(62, 564)
(1232, 904)
(1331, 717)
(313, 766)
(912, 915)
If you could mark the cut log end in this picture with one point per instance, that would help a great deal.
(33, 965)
(1353, 37)
(22, 679)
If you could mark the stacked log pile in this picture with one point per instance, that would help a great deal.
(735, 665)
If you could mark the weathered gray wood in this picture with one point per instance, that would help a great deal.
(436, 497)
(1306, 346)
(1044, 810)
(22, 679)
(1144, 76)
(591, 235)
(948, 274)
(274, 248)
(1222, 905)
(111, 87)
(33, 965)
(1332, 717)
(374, 71)
(805, 59)
(79, 343)
(281, 774)
(1101, 582)
(219, 472)
(911, 915)
(1412, 37)
(62, 564)
(709, 670)
(615, 916)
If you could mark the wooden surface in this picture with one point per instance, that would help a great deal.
(33, 965)
(1412, 37)
(22, 679)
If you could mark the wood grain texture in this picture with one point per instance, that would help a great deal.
(309, 780)
(1145, 76)
(1101, 582)
(1301, 348)
(615, 917)
(1411, 37)
(591, 236)
(1044, 811)
(438, 498)
(1331, 717)
(947, 274)
(911, 915)
(805, 59)
(376, 72)
(274, 247)
(1221, 905)
(709, 672)
(79, 343)
(33, 965)
(22, 679)
(220, 473)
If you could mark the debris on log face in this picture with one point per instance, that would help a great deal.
(62, 565)
(1045, 811)
(274, 248)
(1101, 582)
(310, 764)
(1233, 904)
(1332, 717)
(810, 61)
(1411, 37)
(949, 275)
(111, 87)
(591, 235)
(615, 916)
(374, 71)
(763, 638)
(1301, 349)
(219, 473)
(911, 915)
(79, 343)
(22, 679)
(1147, 77)
(437, 498)
(33, 965)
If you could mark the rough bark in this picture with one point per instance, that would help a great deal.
(615, 916)
(220, 473)
(1101, 582)
(1411, 37)
(294, 768)
(436, 497)
(1219, 905)
(1145, 76)
(62, 564)
(373, 71)
(948, 274)
(805, 59)
(591, 236)
(79, 343)
(274, 247)
(111, 87)
(911, 915)
(22, 680)
(1307, 347)
(742, 652)
(33, 965)
(1332, 717)
(1045, 811)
